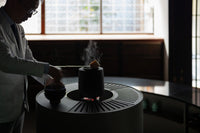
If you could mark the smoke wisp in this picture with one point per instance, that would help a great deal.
(91, 52)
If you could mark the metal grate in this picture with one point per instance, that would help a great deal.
(94, 107)
(122, 97)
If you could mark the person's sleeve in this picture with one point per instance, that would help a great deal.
(28, 55)
(15, 65)
(42, 80)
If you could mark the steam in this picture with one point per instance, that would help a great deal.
(91, 53)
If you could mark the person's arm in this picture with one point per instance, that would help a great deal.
(13, 64)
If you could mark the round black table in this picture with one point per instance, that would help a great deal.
(183, 97)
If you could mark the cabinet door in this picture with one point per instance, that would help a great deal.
(194, 119)
(163, 114)
(110, 59)
(142, 59)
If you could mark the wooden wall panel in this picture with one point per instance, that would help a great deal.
(142, 59)
(142, 68)
(110, 60)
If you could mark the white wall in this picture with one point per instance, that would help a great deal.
(161, 28)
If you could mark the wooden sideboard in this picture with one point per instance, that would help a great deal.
(132, 58)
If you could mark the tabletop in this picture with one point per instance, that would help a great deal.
(176, 91)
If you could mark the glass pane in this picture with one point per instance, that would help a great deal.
(194, 69)
(33, 24)
(193, 7)
(195, 4)
(195, 44)
(194, 47)
(127, 16)
(198, 47)
(198, 7)
(72, 16)
(194, 32)
(198, 26)
(198, 69)
(196, 59)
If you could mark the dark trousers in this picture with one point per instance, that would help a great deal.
(14, 126)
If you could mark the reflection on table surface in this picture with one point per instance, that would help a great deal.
(164, 88)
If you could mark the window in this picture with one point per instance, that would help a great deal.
(33, 25)
(93, 17)
(196, 44)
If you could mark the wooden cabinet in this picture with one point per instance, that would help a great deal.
(142, 59)
(131, 58)
(193, 119)
(163, 114)
(111, 57)
(169, 115)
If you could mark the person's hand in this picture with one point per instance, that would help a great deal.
(49, 81)
(56, 85)
(56, 73)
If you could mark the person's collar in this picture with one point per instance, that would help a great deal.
(10, 21)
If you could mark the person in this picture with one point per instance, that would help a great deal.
(17, 62)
